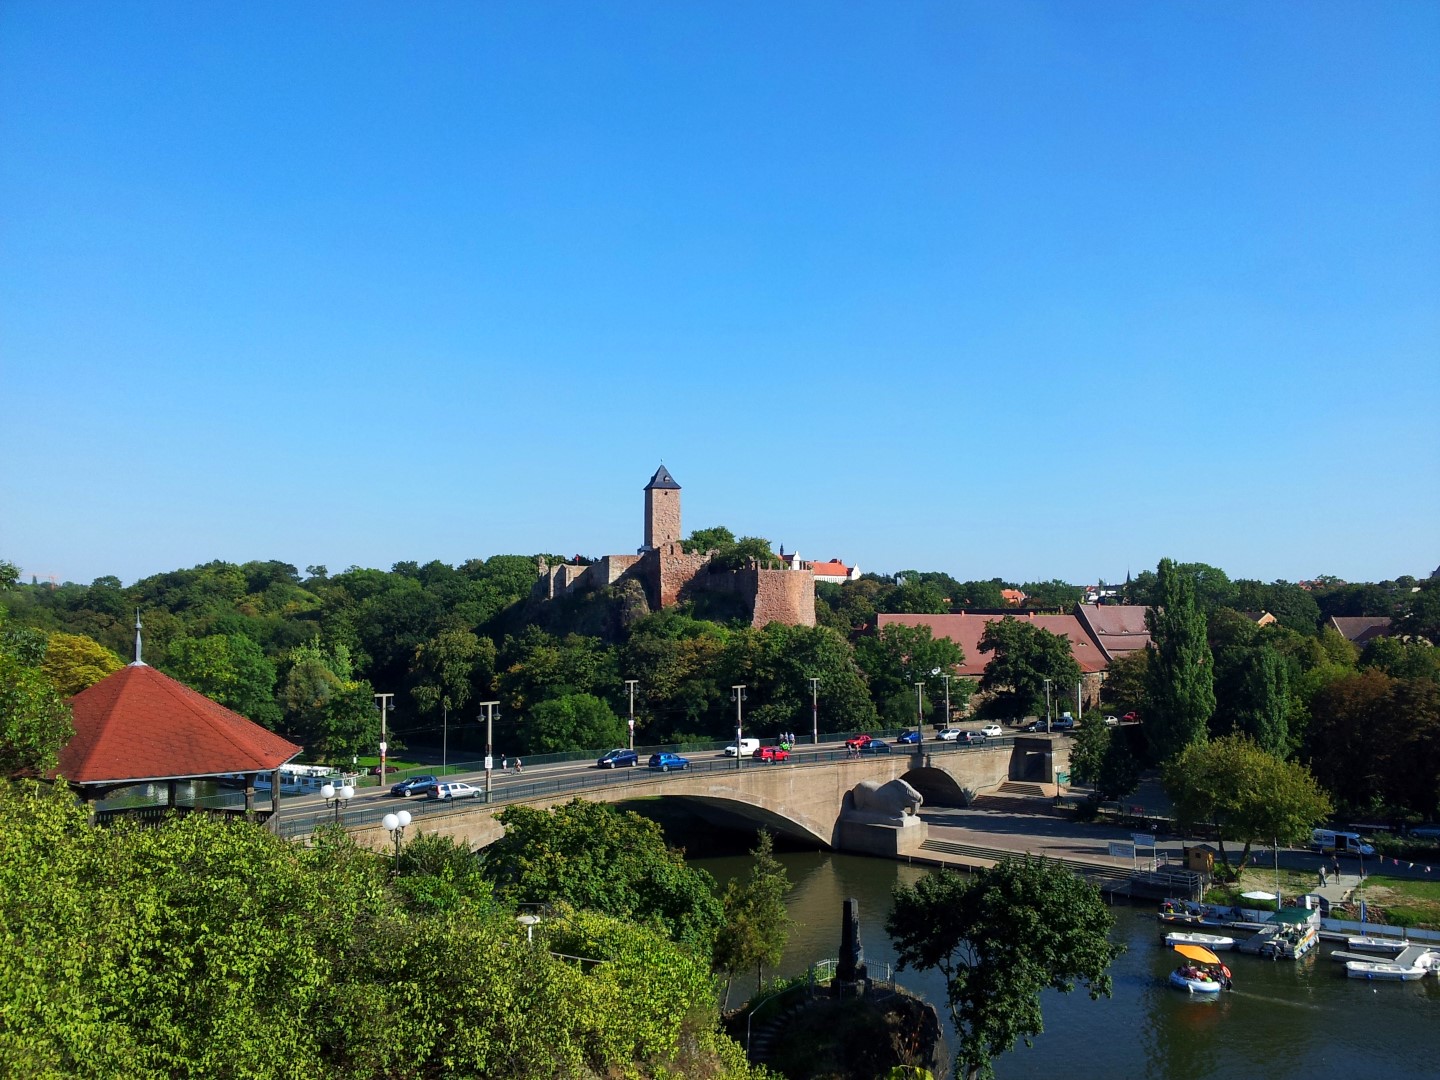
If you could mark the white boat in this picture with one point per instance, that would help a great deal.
(299, 779)
(1380, 969)
(1366, 943)
(1213, 942)
(1289, 934)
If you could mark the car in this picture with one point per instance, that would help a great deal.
(1425, 832)
(971, 737)
(375, 769)
(771, 754)
(1131, 718)
(455, 789)
(415, 785)
(1111, 721)
(856, 742)
(667, 761)
(950, 734)
(992, 731)
(1064, 723)
(908, 737)
(875, 746)
(747, 748)
(615, 759)
(1037, 725)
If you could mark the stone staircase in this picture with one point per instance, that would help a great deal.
(1019, 797)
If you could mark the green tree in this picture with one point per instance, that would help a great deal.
(230, 669)
(1024, 657)
(1087, 756)
(999, 937)
(34, 723)
(1053, 595)
(897, 657)
(74, 662)
(1179, 677)
(1255, 698)
(756, 924)
(592, 856)
(1246, 793)
(1124, 686)
(1120, 768)
(447, 669)
(572, 722)
(718, 538)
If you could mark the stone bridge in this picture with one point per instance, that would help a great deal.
(801, 799)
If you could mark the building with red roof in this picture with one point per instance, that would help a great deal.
(139, 726)
(966, 628)
(1119, 629)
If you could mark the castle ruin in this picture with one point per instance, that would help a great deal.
(669, 574)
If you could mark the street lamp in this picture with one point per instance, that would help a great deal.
(1047, 704)
(528, 921)
(337, 797)
(490, 707)
(920, 704)
(384, 700)
(946, 677)
(630, 685)
(395, 825)
(815, 708)
(737, 695)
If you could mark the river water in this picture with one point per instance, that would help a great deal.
(1284, 1019)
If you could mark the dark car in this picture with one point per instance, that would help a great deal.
(616, 759)
(1064, 723)
(971, 737)
(1037, 725)
(857, 742)
(875, 746)
(771, 754)
(908, 737)
(416, 785)
(666, 762)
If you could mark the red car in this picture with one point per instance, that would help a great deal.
(1131, 718)
(771, 753)
(859, 742)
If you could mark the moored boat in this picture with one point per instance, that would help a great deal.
(1289, 935)
(1213, 942)
(1369, 943)
(1380, 969)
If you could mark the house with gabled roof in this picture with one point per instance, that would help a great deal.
(139, 726)
(1118, 629)
(1362, 629)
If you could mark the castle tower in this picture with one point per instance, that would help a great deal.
(662, 510)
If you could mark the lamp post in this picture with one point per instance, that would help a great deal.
(815, 709)
(490, 707)
(946, 677)
(1079, 704)
(1047, 704)
(445, 737)
(737, 695)
(384, 700)
(920, 704)
(528, 921)
(630, 686)
(395, 825)
(337, 797)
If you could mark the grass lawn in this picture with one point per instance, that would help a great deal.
(1262, 879)
(1404, 901)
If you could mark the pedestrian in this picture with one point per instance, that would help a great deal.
(503, 760)
(1335, 866)
(1323, 882)
(519, 768)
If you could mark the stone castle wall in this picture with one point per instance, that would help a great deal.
(674, 569)
(786, 596)
(662, 517)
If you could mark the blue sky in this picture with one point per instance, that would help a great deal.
(1026, 290)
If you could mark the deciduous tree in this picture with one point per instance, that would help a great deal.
(999, 937)
(756, 924)
(1022, 657)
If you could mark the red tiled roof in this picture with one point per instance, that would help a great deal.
(834, 568)
(1119, 628)
(965, 630)
(1012, 596)
(139, 724)
(1361, 628)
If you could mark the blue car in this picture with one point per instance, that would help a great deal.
(875, 746)
(616, 759)
(910, 737)
(666, 762)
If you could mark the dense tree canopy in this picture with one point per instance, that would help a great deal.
(999, 937)
(1025, 659)
(1179, 674)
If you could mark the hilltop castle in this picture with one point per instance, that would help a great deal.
(669, 574)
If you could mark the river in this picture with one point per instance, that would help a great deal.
(1284, 1019)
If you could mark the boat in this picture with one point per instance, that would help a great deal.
(1289, 934)
(298, 779)
(1382, 969)
(1201, 973)
(1213, 942)
(1367, 943)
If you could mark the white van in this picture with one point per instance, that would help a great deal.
(747, 748)
(1340, 843)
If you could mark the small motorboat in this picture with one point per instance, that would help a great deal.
(1213, 942)
(1367, 943)
(1202, 973)
(1380, 969)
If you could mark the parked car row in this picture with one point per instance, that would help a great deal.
(432, 788)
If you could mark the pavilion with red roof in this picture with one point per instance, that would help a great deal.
(139, 726)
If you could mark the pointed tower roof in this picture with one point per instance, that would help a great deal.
(138, 724)
(662, 479)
